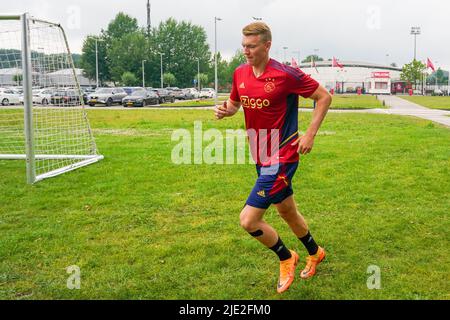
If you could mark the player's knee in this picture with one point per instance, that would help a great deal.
(247, 223)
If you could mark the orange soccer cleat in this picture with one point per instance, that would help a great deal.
(311, 264)
(287, 272)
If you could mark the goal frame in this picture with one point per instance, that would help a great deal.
(30, 155)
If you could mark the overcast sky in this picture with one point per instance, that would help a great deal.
(348, 29)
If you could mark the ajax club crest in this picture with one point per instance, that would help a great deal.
(269, 86)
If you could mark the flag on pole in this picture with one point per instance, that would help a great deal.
(294, 63)
(337, 64)
(430, 65)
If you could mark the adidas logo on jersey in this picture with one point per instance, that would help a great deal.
(262, 193)
(242, 86)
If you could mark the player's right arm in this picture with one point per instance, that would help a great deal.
(228, 109)
(232, 105)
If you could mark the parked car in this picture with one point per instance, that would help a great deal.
(207, 93)
(86, 93)
(106, 96)
(8, 96)
(176, 92)
(438, 92)
(65, 97)
(164, 95)
(130, 90)
(140, 98)
(42, 96)
(191, 93)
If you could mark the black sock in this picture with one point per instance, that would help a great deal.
(310, 244)
(280, 249)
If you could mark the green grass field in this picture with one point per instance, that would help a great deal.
(348, 101)
(339, 102)
(375, 191)
(442, 103)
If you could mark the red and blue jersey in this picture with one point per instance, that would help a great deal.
(270, 105)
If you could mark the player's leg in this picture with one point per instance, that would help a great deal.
(287, 209)
(251, 219)
(289, 212)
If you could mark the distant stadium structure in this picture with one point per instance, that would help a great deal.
(364, 76)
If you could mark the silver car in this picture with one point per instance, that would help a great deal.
(106, 96)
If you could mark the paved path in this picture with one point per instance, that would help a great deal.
(406, 108)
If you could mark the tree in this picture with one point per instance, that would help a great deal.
(88, 59)
(237, 60)
(18, 78)
(413, 71)
(121, 26)
(222, 72)
(441, 75)
(182, 43)
(127, 54)
(76, 60)
(129, 79)
(308, 58)
(203, 79)
(123, 46)
(169, 79)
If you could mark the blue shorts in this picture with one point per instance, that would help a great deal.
(273, 186)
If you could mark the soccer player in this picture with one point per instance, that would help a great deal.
(268, 92)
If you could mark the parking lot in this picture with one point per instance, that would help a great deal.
(116, 97)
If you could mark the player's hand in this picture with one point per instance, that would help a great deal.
(221, 111)
(305, 144)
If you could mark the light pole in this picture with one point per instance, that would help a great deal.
(143, 73)
(387, 59)
(285, 48)
(448, 85)
(96, 60)
(435, 76)
(316, 53)
(198, 74)
(415, 31)
(162, 76)
(216, 81)
(298, 55)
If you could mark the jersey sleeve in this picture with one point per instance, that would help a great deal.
(301, 83)
(234, 96)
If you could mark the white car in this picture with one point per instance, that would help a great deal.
(207, 93)
(42, 96)
(191, 93)
(8, 96)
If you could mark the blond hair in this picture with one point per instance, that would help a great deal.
(258, 29)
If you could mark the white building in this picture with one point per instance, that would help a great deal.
(62, 78)
(8, 75)
(369, 77)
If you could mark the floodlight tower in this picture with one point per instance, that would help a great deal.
(415, 31)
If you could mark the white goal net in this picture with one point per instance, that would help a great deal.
(42, 115)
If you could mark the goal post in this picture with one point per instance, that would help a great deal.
(47, 126)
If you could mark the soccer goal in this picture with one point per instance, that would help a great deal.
(42, 117)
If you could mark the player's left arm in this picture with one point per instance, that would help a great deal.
(323, 101)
